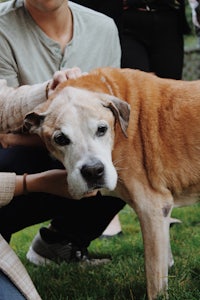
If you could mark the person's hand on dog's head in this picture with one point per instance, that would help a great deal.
(63, 75)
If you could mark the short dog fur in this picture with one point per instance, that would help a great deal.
(136, 135)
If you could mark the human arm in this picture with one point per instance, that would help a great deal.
(15, 103)
(52, 181)
(13, 139)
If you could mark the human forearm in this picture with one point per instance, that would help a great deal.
(52, 182)
(18, 102)
(10, 140)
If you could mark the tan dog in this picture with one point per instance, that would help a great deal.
(149, 155)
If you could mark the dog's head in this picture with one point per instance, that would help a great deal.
(78, 128)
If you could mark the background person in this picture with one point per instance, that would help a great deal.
(153, 36)
(151, 33)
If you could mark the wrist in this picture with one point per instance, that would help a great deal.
(29, 183)
(34, 183)
(25, 188)
(18, 185)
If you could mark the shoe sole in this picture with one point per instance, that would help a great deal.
(37, 259)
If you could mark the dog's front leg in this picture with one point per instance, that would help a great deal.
(154, 214)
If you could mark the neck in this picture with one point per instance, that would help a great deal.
(56, 24)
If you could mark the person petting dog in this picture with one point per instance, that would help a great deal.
(37, 38)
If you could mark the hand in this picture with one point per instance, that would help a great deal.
(4, 141)
(52, 182)
(61, 76)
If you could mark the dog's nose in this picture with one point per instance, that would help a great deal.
(93, 172)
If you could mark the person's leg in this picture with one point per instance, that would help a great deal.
(134, 54)
(135, 38)
(167, 50)
(27, 210)
(87, 218)
(8, 291)
(78, 221)
(153, 42)
(70, 234)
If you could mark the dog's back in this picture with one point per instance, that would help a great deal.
(164, 128)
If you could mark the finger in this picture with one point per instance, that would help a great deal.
(58, 77)
(73, 73)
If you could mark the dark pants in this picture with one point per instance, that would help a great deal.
(153, 42)
(79, 221)
(8, 291)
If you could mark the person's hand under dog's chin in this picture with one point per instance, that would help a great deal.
(90, 194)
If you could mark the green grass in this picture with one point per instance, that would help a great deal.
(124, 277)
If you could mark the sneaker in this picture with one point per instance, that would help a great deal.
(47, 247)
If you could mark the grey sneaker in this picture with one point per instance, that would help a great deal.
(47, 248)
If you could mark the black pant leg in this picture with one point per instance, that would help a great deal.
(153, 42)
(31, 209)
(87, 218)
(167, 49)
(79, 221)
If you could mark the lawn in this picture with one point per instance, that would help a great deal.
(123, 278)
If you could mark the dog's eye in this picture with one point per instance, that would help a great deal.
(101, 130)
(61, 139)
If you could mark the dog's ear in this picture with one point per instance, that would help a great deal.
(121, 111)
(32, 122)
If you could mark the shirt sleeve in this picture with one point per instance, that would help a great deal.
(7, 187)
(15, 103)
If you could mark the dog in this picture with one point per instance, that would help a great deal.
(134, 135)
